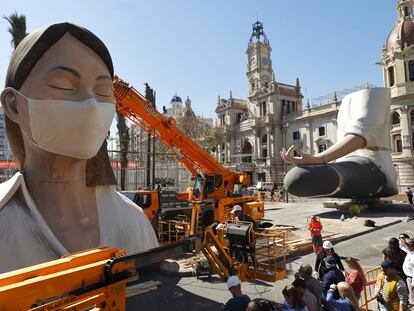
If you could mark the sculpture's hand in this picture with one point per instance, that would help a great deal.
(303, 159)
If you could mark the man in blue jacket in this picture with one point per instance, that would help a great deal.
(332, 276)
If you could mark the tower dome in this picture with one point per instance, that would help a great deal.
(176, 99)
(402, 35)
(403, 32)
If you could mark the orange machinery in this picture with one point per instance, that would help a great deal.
(90, 280)
(212, 193)
(235, 248)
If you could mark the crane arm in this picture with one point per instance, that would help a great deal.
(139, 110)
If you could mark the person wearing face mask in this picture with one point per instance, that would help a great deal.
(59, 105)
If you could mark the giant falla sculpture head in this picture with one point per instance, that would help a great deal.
(58, 97)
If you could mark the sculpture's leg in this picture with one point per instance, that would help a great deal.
(356, 178)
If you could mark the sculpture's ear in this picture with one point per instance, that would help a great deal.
(9, 102)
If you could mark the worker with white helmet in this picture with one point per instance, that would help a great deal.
(239, 300)
(238, 215)
(320, 264)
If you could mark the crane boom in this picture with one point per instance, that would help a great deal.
(141, 111)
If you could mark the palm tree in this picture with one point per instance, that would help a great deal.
(17, 28)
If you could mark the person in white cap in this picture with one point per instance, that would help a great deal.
(238, 215)
(320, 264)
(239, 301)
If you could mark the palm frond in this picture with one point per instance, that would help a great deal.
(17, 28)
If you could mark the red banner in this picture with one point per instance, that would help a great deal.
(131, 164)
(7, 164)
(114, 164)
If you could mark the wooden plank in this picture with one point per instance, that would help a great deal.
(141, 288)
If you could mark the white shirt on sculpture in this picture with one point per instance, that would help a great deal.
(26, 239)
(366, 113)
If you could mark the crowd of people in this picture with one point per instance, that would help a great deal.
(331, 287)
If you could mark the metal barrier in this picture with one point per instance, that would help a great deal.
(173, 230)
(270, 256)
(368, 291)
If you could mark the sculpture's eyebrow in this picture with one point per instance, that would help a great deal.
(104, 77)
(74, 72)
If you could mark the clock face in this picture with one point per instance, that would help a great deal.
(265, 61)
(253, 60)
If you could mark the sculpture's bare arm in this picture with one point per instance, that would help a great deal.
(348, 144)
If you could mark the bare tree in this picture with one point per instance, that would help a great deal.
(123, 133)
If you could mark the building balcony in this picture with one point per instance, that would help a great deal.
(260, 161)
(245, 125)
(395, 128)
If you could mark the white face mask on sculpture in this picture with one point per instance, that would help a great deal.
(75, 129)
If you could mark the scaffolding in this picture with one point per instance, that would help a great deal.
(329, 98)
(173, 230)
(167, 166)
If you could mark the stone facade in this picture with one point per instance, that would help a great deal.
(398, 70)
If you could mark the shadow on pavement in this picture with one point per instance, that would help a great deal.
(366, 214)
(272, 209)
(170, 296)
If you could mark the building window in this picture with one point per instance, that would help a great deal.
(406, 12)
(264, 146)
(321, 148)
(412, 139)
(239, 117)
(296, 135)
(411, 70)
(321, 131)
(263, 109)
(222, 120)
(261, 177)
(391, 80)
(412, 116)
(395, 118)
(247, 150)
(397, 143)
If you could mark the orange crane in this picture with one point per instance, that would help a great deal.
(212, 195)
(93, 279)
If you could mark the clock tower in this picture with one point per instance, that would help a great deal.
(259, 66)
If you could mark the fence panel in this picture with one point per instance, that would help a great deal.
(368, 292)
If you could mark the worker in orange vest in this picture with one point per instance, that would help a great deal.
(315, 227)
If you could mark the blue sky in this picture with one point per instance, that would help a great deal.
(197, 48)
